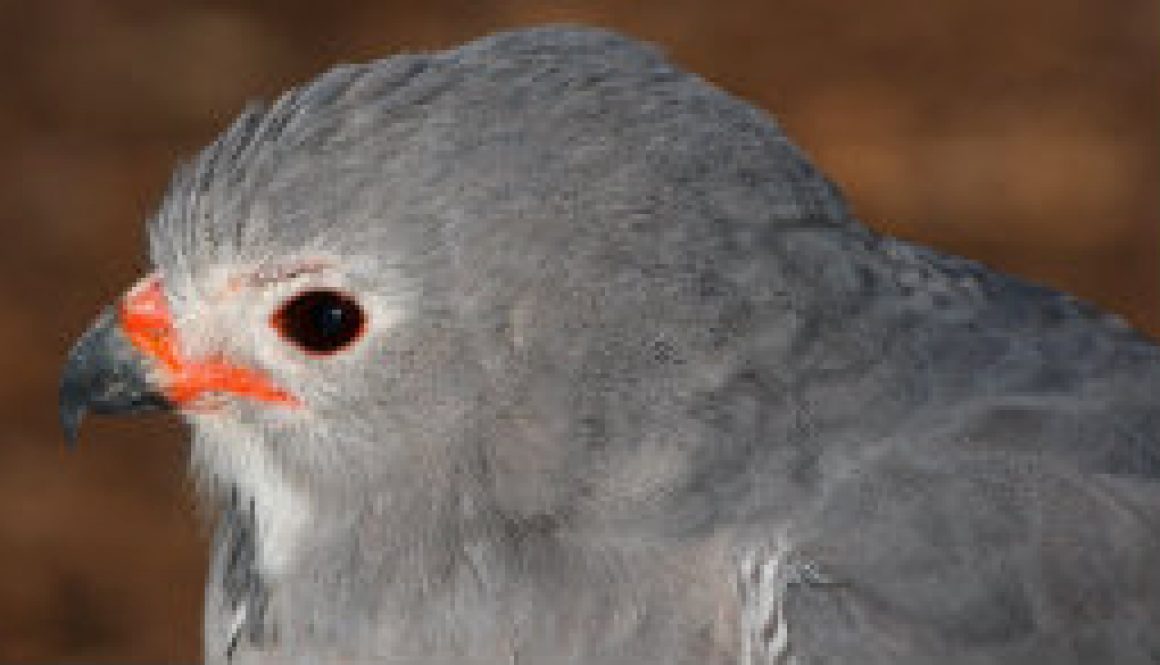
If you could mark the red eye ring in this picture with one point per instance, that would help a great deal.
(320, 322)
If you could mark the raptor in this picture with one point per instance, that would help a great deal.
(542, 350)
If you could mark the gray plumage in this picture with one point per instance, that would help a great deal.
(636, 388)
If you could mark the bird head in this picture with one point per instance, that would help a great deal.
(497, 272)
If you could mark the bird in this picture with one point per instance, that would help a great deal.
(545, 350)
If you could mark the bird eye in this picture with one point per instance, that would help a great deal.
(320, 322)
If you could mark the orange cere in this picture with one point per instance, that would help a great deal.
(146, 321)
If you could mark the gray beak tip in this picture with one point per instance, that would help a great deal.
(70, 422)
(104, 374)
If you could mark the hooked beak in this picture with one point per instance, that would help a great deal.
(105, 374)
(130, 360)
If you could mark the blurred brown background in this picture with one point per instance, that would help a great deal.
(1019, 133)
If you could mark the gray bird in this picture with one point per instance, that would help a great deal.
(542, 350)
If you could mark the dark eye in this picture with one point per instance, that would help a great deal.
(321, 321)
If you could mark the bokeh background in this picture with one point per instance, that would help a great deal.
(1023, 134)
